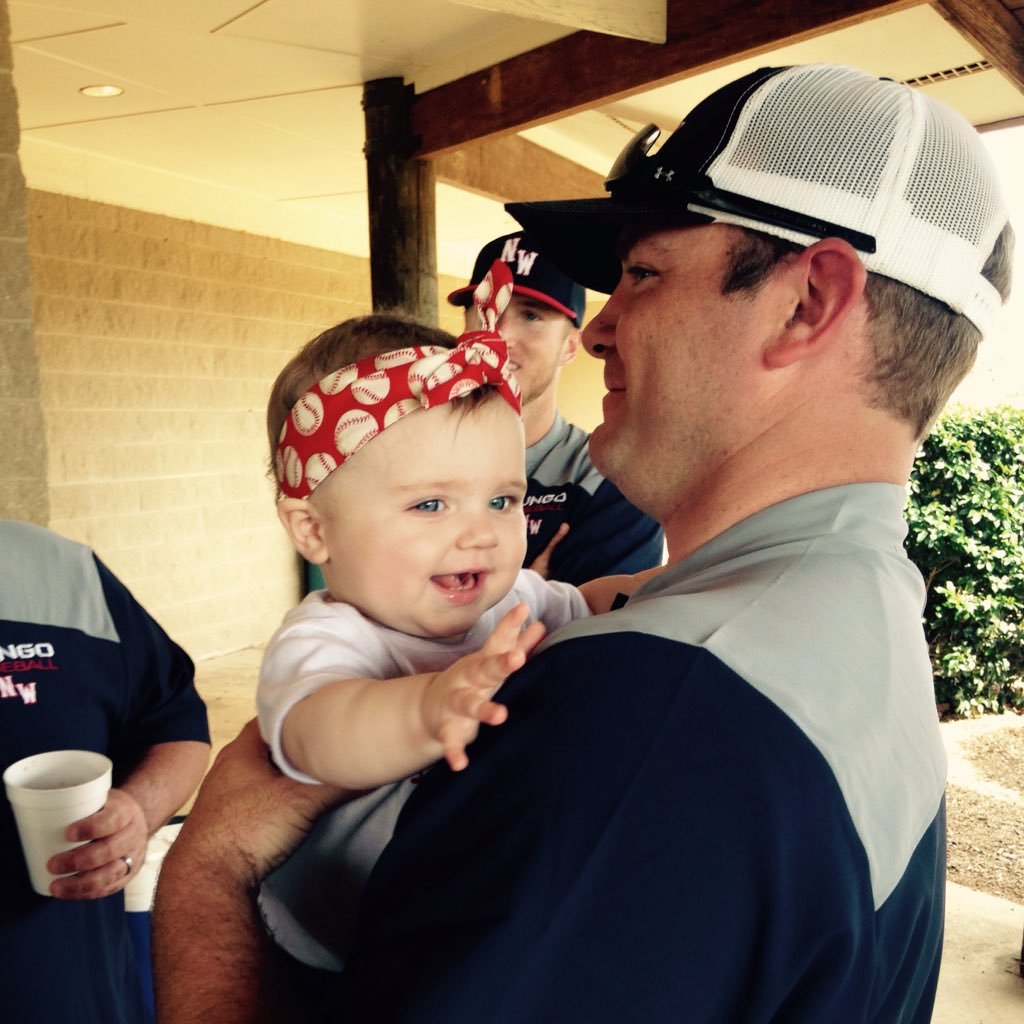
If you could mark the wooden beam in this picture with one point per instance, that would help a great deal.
(584, 70)
(994, 31)
(400, 194)
(495, 169)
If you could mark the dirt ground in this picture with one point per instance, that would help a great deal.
(986, 823)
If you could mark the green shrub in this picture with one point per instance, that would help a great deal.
(966, 519)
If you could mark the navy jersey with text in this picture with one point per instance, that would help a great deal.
(82, 666)
(607, 535)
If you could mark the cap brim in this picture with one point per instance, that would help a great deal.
(581, 236)
(464, 297)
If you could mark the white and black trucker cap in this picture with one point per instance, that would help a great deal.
(804, 153)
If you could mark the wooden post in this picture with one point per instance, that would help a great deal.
(403, 250)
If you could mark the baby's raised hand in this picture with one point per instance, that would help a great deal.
(458, 699)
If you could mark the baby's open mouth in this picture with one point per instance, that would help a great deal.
(458, 580)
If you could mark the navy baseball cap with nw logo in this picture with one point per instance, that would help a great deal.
(533, 275)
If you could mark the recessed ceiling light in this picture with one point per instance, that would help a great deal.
(102, 91)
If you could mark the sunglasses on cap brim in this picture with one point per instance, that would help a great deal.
(628, 178)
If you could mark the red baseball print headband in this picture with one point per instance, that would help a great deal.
(351, 406)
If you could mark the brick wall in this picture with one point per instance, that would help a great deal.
(157, 343)
(136, 354)
(22, 438)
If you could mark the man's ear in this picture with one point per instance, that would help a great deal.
(827, 281)
(302, 525)
(572, 346)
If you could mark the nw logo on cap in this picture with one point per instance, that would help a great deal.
(524, 260)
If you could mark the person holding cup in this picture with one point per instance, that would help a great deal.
(49, 792)
(97, 702)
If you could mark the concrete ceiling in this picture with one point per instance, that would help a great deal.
(248, 114)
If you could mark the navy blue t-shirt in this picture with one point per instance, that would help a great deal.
(721, 804)
(607, 535)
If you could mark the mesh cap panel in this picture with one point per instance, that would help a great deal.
(803, 135)
(944, 156)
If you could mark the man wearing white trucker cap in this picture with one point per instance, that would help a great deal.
(724, 801)
(578, 523)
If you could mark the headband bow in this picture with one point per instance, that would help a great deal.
(351, 406)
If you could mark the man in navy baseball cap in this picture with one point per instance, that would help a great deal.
(579, 525)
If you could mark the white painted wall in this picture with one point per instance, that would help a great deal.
(998, 375)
